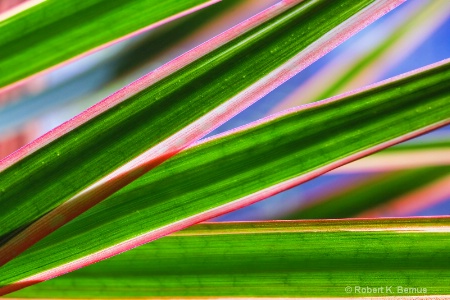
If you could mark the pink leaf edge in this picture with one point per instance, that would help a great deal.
(197, 130)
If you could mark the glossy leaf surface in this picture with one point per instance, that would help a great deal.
(200, 183)
(164, 111)
(273, 259)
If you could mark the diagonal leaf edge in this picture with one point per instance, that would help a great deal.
(169, 146)
(419, 106)
(37, 17)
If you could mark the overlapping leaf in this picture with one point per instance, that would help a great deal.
(165, 111)
(406, 257)
(237, 169)
(356, 68)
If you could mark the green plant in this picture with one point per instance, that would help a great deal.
(130, 169)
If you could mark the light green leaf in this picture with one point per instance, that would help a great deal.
(273, 259)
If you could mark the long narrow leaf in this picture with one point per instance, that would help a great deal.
(116, 141)
(352, 70)
(55, 31)
(393, 257)
(240, 168)
(112, 70)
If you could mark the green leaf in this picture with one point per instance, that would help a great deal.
(273, 259)
(352, 69)
(371, 61)
(234, 170)
(55, 31)
(150, 120)
(122, 68)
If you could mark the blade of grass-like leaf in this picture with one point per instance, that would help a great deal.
(236, 169)
(76, 93)
(414, 201)
(349, 71)
(272, 259)
(126, 61)
(53, 32)
(118, 140)
(196, 29)
(372, 193)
